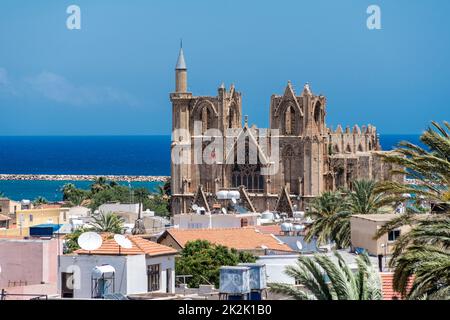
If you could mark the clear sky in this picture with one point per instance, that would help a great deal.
(114, 75)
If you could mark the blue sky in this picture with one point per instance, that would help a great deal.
(114, 75)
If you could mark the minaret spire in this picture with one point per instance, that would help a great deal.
(181, 71)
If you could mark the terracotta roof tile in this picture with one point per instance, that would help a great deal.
(270, 229)
(387, 283)
(139, 246)
(238, 238)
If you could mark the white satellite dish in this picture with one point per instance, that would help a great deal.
(233, 200)
(122, 241)
(224, 211)
(264, 247)
(299, 245)
(195, 207)
(90, 241)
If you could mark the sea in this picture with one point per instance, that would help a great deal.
(94, 155)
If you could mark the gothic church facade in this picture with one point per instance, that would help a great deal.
(313, 158)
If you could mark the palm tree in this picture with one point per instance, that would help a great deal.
(430, 167)
(99, 184)
(141, 194)
(39, 201)
(68, 189)
(109, 222)
(323, 279)
(323, 210)
(332, 212)
(424, 251)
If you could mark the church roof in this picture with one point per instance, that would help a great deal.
(181, 63)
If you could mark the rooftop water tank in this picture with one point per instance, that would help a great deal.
(299, 227)
(257, 275)
(106, 271)
(234, 280)
(222, 195)
(286, 227)
(267, 215)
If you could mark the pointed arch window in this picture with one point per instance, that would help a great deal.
(289, 121)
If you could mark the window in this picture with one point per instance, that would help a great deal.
(194, 225)
(31, 218)
(153, 275)
(244, 222)
(393, 235)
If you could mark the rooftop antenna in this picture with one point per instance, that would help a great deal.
(90, 241)
(181, 43)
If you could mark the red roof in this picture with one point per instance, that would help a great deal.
(139, 246)
(238, 238)
(387, 286)
(270, 229)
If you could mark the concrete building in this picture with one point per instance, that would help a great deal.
(29, 265)
(4, 221)
(145, 267)
(119, 207)
(9, 207)
(277, 264)
(242, 239)
(312, 157)
(363, 230)
(215, 221)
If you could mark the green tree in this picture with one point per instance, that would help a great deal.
(323, 210)
(424, 251)
(202, 261)
(39, 201)
(107, 222)
(99, 184)
(141, 195)
(331, 212)
(323, 279)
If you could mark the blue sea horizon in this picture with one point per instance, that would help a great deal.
(94, 155)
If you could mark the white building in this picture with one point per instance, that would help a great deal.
(216, 221)
(78, 212)
(119, 207)
(277, 264)
(145, 267)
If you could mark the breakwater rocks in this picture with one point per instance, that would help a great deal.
(64, 177)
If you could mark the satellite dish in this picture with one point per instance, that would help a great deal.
(123, 241)
(299, 245)
(90, 241)
(233, 200)
(194, 207)
(264, 247)
(224, 211)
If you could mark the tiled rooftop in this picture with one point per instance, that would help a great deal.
(387, 286)
(139, 246)
(238, 238)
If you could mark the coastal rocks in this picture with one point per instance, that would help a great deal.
(59, 177)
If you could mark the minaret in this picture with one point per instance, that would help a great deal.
(181, 73)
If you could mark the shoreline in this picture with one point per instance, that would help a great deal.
(81, 177)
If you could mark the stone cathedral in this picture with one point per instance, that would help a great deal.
(312, 158)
